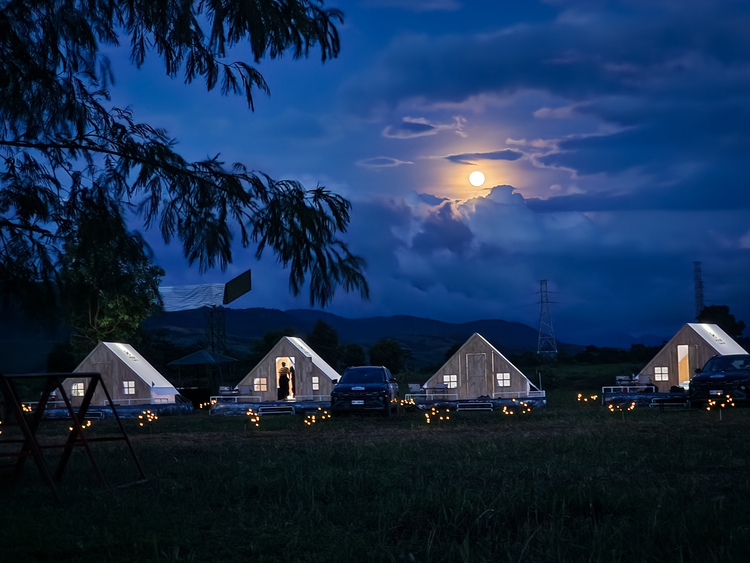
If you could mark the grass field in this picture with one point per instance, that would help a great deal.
(572, 482)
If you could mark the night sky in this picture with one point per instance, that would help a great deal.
(613, 137)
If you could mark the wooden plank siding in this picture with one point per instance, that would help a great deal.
(304, 371)
(682, 355)
(476, 365)
(114, 373)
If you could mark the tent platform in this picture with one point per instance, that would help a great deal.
(479, 404)
(657, 399)
(124, 411)
(231, 408)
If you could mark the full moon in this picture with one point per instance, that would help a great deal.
(476, 178)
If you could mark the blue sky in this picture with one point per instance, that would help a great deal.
(613, 137)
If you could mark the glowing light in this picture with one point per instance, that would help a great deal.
(254, 417)
(476, 178)
(591, 398)
(147, 417)
(437, 415)
(322, 414)
(85, 425)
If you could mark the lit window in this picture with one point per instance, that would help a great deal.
(451, 381)
(316, 383)
(128, 387)
(503, 379)
(77, 389)
(260, 384)
(661, 373)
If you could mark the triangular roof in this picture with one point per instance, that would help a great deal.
(717, 338)
(317, 361)
(484, 342)
(202, 357)
(476, 335)
(126, 354)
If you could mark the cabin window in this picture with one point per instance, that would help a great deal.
(661, 373)
(451, 381)
(503, 379)
(128, 387)
(77, 389)
(315, 383)
(260, 384)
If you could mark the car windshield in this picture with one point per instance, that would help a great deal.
(374, 375)
(727, 363)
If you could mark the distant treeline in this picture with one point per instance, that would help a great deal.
(637, 353)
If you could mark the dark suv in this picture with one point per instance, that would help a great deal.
(722, 376)
(365, 388)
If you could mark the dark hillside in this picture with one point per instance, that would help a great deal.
(428, 340)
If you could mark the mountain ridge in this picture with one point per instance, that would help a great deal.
(427, 340)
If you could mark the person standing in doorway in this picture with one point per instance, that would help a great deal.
(292, 383)
(283, 382)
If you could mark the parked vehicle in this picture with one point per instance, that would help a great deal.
(365, 388)
(722, 376)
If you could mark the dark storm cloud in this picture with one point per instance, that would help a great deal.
(579, 55)
(605, 275)
(667, 81)
(442, 231)
(687, 131)
(468, 158)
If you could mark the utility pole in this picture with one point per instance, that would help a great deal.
(698, 279)
(546, 345)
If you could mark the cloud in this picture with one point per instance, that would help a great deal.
(564, 112)
(609, 271)
(653, 92)
(442, 231)
(430, 199)
(410, 128)
(466, 158)
(416, 5)
(381, 162)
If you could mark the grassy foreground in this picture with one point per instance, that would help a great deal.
(568, 483)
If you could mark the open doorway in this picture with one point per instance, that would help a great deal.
(286, 383)
(683, 365)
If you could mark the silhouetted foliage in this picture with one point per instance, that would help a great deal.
(720, 315)
(62, 358)
(351, 355)
(108, 282)
(387, 352)
(59, 144)
(325, 341)
(265, 345)
(641, 353)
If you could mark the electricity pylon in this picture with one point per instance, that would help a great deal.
(546, 345)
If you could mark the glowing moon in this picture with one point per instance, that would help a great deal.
(476, 178)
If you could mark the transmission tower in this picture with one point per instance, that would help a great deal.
(216, 329)
(698, 277)
(546, 345)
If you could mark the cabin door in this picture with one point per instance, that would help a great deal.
(476, 375)
(683, 363)
(286, 378)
